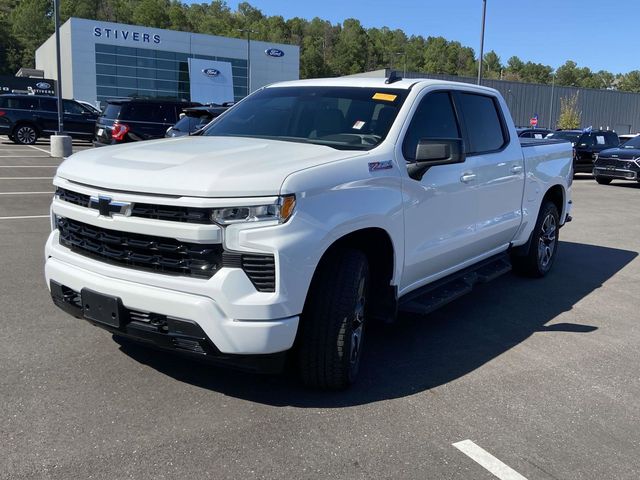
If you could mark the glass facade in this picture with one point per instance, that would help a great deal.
(125, 72)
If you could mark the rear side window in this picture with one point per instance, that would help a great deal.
(434, 118)
(611, 139)
(483, 122)
(22, 103)
(111, 111)
(149, 112)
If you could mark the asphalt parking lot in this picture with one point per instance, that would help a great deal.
(544, 375)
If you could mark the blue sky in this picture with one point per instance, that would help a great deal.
(597, 34)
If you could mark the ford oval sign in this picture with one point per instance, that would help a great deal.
(43, 85)
(211, 72)
(274, 52)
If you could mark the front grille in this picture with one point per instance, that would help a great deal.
(170, 213)
(158, 254)
(261, 269)
(72, 197)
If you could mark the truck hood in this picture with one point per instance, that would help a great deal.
(198, 166)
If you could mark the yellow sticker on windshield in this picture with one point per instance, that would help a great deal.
(387, 97)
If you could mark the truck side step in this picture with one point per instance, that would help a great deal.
(433, 296)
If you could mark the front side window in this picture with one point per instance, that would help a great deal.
(72, 107)
(434, 118)
(344, 118)
(483, 123)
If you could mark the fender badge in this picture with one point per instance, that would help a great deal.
(375, 166)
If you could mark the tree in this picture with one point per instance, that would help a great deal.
(492, 67)
(630, 82)
(570, 116)
(350, 49)
(31, 24)
(152, 13)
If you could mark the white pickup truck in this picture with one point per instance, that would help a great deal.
(303, 212)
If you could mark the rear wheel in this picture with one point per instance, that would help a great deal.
(333, 322)
(25, 134)
(543, 246)
(603, 180)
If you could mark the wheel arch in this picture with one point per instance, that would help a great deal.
(556, 194)
(26, 122)
(377, 245)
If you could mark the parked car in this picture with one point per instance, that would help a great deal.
(195, 118)
(132, 120)
(25, 118)
(626, 137)
(622, 163)
(586, 145)
(305, 211)
(538, 133)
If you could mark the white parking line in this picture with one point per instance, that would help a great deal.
(26, 178)
(488, 461)
(42, 150)
(25, 217)
(27, 193)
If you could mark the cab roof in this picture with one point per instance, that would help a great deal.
(377, 82)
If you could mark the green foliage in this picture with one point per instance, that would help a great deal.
(325, 49)
(570, 116)
(630, 82)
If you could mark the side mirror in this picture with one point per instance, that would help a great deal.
(436, 151)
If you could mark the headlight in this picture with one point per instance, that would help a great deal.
(280, 211)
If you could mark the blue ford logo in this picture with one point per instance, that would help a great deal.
(43, 85)
(211, 72)
(274, 52)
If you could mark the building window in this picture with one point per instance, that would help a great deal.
(129, 72)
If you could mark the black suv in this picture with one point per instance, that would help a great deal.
(622, 162)
(586, 145)
(196, 118)
(24, 118)
(131, 120)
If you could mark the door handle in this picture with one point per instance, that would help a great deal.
(467, 177)
(517, 169)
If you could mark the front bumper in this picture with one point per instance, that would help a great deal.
(616, 172)
(226, 335)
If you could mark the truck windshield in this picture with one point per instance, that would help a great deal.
(633, 143)
(345, 118)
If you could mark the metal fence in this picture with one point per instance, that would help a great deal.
(619, 111)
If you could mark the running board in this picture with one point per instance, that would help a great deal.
(435, 295)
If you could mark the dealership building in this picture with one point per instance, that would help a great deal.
(103, 60)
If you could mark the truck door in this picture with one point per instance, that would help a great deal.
(498, 166)
(440, 209)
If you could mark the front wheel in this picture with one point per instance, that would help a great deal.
(603, 180)
(538, 260)
(25, 135)
(333, 321)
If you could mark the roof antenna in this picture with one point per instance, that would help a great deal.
(393, 77)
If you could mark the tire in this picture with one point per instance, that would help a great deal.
(333, 321)
(25, 134)
(603, 180)
(543, 248)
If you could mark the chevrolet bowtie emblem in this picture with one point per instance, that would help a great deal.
(107, 207)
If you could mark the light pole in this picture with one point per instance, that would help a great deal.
(404, 54)
(553, 84)
(484, 14)
(248, 31)
(59, 68)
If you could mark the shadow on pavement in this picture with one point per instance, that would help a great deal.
(419, 354)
